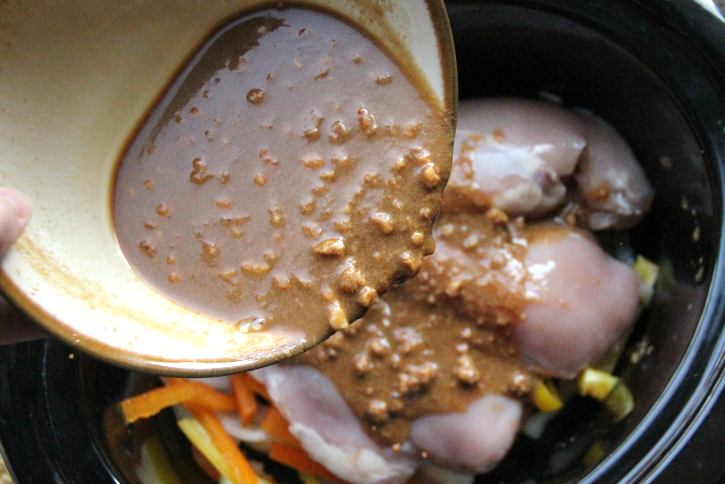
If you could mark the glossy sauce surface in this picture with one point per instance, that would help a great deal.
(290, 175)
(441, 340)
(505, 300)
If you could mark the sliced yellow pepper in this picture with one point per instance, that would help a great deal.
(595, 453)
(620, 402)
(154, 467)
(648, 273)
(596, 383)
(308, 478)
(546, 397)
(198, 436)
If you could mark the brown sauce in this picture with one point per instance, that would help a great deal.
(443, 339)
(446, 337)
(290, 175)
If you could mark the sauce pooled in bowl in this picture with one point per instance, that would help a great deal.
(290, 175)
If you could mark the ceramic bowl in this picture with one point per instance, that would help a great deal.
(76, 81)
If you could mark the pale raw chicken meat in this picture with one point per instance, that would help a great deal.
(514, 153)
(474, 441)
(613, 189)
(469, 442)
(586, 300)
(328, 430)
(518, 155)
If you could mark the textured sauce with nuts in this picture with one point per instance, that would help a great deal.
(290, 175)
(443, 339)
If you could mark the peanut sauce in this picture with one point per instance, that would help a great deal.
(290, 175)
(443, 339)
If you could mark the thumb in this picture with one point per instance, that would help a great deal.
(15, 210)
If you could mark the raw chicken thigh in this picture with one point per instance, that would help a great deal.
(437, 376)
(454, 441)
(514, 153)
(612, 187)
(327, 428)
(519, 154)
(473, 441)
(585, 301)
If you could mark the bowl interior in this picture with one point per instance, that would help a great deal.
(75, 84)
(630, 64)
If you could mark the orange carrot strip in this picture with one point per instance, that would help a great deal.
(210, 398)
(243, 394)
(243, 472)
(277, 426)
(258, 388)
(204, 464)
(297, 458)
(152, 402)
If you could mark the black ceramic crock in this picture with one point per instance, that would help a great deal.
(653, 68)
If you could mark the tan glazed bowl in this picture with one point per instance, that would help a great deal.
(76, 79)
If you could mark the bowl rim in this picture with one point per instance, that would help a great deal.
(104, 347)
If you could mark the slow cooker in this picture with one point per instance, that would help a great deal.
(655, 69)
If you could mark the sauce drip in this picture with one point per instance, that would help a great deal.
(443, 339)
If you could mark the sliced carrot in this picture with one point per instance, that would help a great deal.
(243, 472)
(183, 391)
(243, 394)
(258, 388)
(208, 397)
(205, 465)
(297, 458)
(277, 426)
